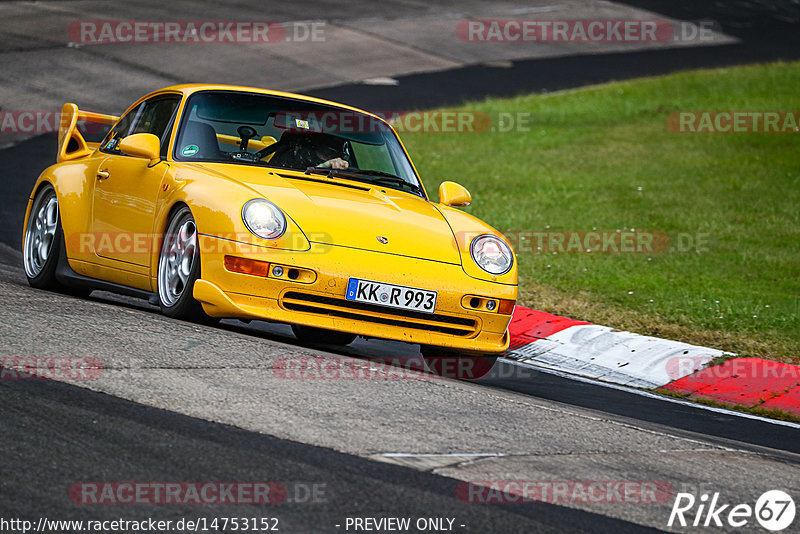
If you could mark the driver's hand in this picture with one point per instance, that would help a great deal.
(335, 163)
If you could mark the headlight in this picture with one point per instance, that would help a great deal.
(491, 254)
(263, 218)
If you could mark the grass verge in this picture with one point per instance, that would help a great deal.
(772, 413)
(602, 159)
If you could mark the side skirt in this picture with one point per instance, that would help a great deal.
(66, 276)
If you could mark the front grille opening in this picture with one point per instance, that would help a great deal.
(445, 324)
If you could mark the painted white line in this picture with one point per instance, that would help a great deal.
(528, 10)
(381, 80)
(651, 395)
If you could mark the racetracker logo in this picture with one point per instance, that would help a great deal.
(335, 368)
(684, 365)
(631, 241)
(565, 491)
(209, 493)
(194, 31)
(742, 368)
(39, 121)
(605, 242)
(774, 510)
(403, 121)
(133, 243)
(391, 368)
(734, 122)
(57, 368)
(582, 31)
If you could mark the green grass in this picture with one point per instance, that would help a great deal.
(602, 157)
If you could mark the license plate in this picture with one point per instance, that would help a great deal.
(405, 298)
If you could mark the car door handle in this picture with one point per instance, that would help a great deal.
(102, 175)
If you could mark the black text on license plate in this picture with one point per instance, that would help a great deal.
(406, 298)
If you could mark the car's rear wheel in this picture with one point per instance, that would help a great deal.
(179, 268)
(454, 365)
(42, 242)
(321, 336)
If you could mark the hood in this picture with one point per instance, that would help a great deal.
(337, 211)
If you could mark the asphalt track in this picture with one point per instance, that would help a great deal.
(59, 434)
(54, 434)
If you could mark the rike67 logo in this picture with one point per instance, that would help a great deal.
(774, 510)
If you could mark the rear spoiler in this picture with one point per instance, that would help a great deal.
(71, 144)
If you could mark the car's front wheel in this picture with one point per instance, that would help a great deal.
(454, 365)
(179, 268)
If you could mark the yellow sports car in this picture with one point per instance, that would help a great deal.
(216, 201)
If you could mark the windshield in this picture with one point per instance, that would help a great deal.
(271, 131)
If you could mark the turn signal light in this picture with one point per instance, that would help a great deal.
(506, 307)
(246, 266)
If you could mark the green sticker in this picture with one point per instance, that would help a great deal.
(190, 150)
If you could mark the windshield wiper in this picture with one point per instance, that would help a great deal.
(380, 177)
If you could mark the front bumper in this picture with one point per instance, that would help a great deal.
(317, 297)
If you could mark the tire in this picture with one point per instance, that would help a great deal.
(179, 268)
(42, 241)
(450, 364)
(321, 336)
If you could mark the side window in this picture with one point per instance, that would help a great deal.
(119, 131)
(152, 116)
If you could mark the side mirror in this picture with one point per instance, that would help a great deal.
(453, 194)
(142, 145)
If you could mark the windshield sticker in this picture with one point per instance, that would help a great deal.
(301, 123)
(190, 150)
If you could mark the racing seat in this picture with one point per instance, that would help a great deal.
(204, 137)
